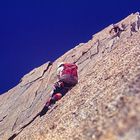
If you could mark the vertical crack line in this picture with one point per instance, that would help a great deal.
(12, 137)
(50, 63)
(89, 50)
(22, 128)
(49, 77)
(95, 52)
(3, 118)
(14, 124)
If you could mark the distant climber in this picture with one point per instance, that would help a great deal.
(67, 78)
(116, 31)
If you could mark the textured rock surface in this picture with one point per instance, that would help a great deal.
(105, 105)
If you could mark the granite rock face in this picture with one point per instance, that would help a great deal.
(104, 105)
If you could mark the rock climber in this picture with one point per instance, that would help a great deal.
(67, 78)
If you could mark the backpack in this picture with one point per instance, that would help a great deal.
(69, 74)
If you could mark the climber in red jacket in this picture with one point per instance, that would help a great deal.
(67, 78)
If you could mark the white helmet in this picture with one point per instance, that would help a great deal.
(60, 64)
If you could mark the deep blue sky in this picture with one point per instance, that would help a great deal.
(35, 31)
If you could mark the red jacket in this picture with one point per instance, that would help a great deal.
(68, 73)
